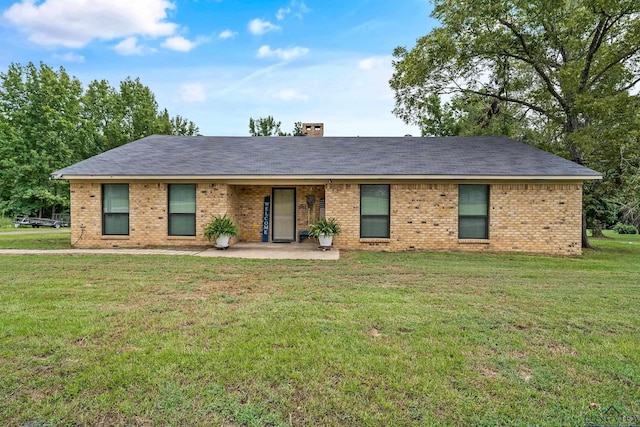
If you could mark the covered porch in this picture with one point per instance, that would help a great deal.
(276, 213)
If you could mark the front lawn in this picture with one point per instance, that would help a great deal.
(373, 339)
(27, 238)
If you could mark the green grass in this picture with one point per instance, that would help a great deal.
(6, 222)
(44, 240)
(12, 229)
(373, 339)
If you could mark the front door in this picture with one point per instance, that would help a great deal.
(284, 215)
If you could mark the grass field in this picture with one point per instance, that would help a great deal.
(396, 339)
(5, 222)
(35, 239)
(32, 238)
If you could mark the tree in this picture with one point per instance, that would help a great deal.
(48, 122)
(100, 102)
(617, 156)
(42, 130)
(178, 125)
(138, 109)
(182, 126)
(473, 115)
(439, 120)
(559, 63)
(267, 126)
(297, 129)
(117, 117)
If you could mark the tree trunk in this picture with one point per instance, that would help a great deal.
(596, 230)
(585, 238)
(571, 125)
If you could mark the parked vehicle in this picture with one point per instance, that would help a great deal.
(58, 220)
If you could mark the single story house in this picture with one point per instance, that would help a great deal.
(388, 193)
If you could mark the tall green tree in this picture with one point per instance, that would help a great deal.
(473, 115)
(297, 129)
(48, 121)
(177, 125)
(102, 115)
(138, 109)
(267, 126)
(119, 116)
(562, 63)
(264, 126)
(43, 130)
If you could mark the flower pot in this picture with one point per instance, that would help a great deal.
(325, 240)
(222, 241)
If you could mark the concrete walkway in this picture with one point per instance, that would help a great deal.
(238, 250)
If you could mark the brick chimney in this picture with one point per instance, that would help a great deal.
(313, 129)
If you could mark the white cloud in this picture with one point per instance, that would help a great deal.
(298, 9)
(332, 90)
(282, 12)
(283, 54)
(348, 100)
(302, 9)
(374, 62)
(193, 92)
(227, 34)
(179, 43)
(290, 95)
(69, 57)
(258, 27)
(130, 46)
(75, 23)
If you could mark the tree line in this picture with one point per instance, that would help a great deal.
(48, 121)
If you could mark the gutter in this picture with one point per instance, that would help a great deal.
(324, 178)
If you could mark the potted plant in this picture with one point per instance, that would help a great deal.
(324, 229)
(221, 228)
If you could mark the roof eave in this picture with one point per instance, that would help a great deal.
(324, 178)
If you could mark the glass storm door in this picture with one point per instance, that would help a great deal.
(284, 215)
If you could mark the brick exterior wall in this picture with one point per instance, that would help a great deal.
(530, 218)
(148, 213)
(523, 217)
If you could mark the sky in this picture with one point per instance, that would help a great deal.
(221, 62)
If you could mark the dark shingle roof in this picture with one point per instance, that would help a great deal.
(160, 155)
